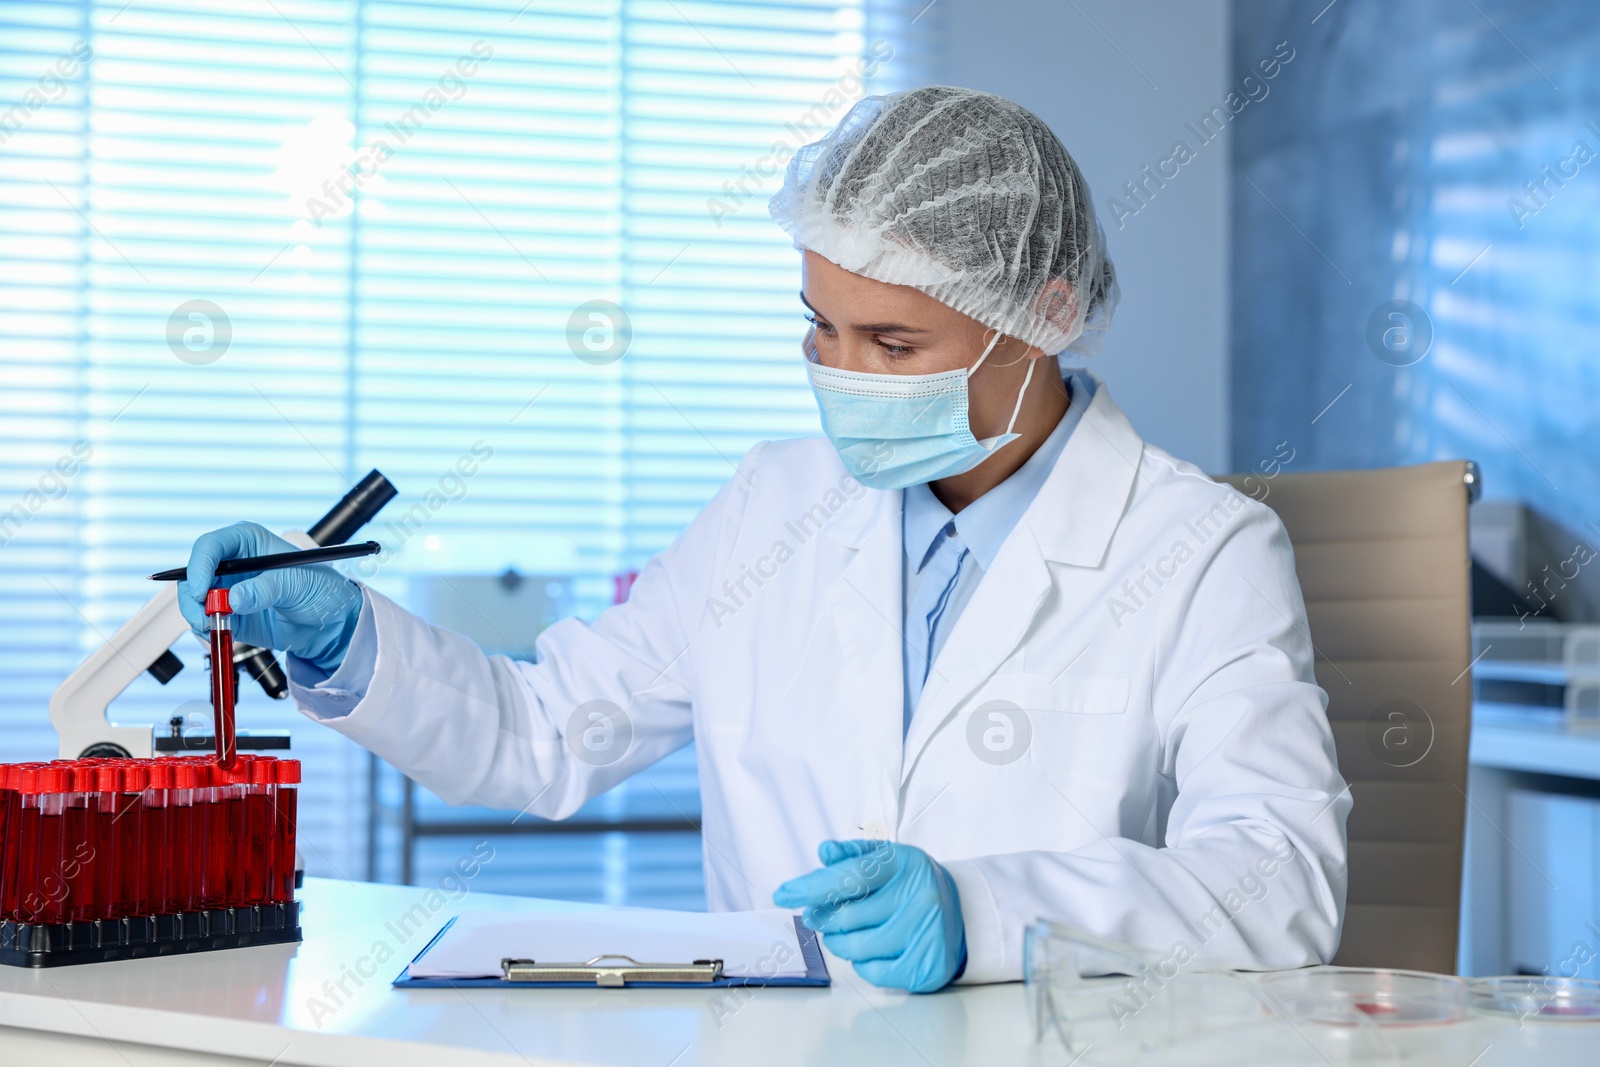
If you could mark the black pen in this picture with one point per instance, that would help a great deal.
(251, 564)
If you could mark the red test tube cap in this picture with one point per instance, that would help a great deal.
(262, 772)
(288, 772)
(238, 774)
(52, 780)
(134, 778)
(107, 779)
(160, 775)
(186, 775)
(217, 602)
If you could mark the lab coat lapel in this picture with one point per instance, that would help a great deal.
(1071, 521)
(993, 623)
(864, 604)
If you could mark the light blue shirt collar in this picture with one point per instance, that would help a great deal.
(985, 524)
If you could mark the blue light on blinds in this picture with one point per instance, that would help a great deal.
(511, 162)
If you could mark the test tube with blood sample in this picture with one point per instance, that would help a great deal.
(44, 902)
(127, 840)
(220, 625)
(184, 838)
(8, 830)
(102, 836)
(10, 847)
(22, 845)
(79, 851)
(284, 806)
(159, 876)
(260, 844)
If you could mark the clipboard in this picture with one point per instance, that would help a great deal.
(608, 972)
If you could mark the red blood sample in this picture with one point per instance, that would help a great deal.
(222, 674)
(238, 838)
(205, 835)
(47, 904)
(158, 878)
(127, 828)
(284, 808)
(8, 832)
(224, 822)
(77, 864)
(258, 847)
(23, 848)
(209, 809)
(11, 801)
(185, 832)
(103, 816)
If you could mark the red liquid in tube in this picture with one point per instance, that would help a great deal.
(91, 839)
(185, 836)
(47, 901)
(224, 834)
(8, 833)
(258, 847)
(222, 674)
(287, 780)
(102, 838)
(22, 851)
(208, 810)
(159, 876)
(238, 839)
(77, 863)
(128, 856)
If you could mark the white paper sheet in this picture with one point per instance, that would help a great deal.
(750, 943)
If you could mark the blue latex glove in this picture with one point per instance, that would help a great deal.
(310, 612)
(887, 908)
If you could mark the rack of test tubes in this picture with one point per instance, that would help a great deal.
(105, 859)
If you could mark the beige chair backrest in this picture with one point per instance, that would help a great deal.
(1383, 561)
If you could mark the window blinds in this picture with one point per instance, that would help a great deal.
(249, 251)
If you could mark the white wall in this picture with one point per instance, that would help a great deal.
(1117, 82)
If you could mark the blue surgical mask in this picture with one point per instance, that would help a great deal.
(895, 430)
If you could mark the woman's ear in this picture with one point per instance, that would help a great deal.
(1058, 303)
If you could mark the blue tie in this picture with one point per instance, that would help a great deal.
(940, 569)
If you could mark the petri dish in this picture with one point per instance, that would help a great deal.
(1539, 997)
(1366, 996)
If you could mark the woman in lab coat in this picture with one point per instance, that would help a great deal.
(979, 655)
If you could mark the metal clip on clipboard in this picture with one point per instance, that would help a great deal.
(612, 975)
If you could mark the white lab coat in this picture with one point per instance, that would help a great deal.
(1174, 783)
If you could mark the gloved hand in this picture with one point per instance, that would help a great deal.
(887, 908)
(308, 611)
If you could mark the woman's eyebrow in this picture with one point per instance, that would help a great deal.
(869, 327)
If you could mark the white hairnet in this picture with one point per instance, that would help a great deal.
(964, 196)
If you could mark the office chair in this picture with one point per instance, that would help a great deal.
(1383, 562)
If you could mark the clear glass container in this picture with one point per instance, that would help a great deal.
(1363, 996)
(1540, 997)
(1110, 1003)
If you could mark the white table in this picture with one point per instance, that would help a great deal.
(261, 1005)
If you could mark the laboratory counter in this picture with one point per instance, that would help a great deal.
(327, 1001)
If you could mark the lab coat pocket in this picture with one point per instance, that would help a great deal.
(1072, 694)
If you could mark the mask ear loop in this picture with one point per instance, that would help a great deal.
(993, 341)
(1026, 378)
